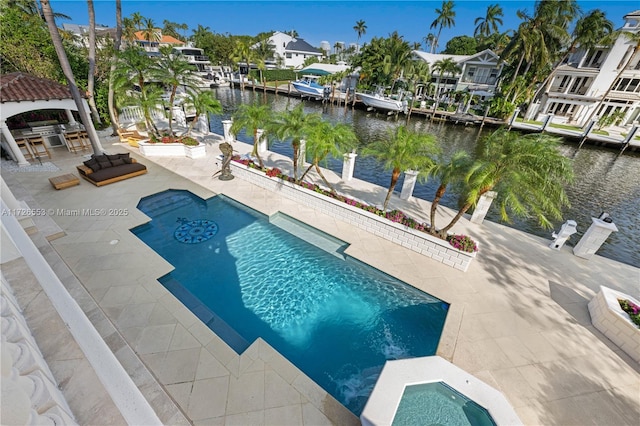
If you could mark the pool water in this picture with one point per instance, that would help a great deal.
(335, 318)
(438, 404)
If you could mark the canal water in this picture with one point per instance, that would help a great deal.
(604, 181)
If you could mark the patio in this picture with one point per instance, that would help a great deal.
(518, 319)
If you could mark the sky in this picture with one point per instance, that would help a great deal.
(316, 21)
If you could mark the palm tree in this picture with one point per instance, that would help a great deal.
(251, 118)
(489, 24)
(137, 20)
(174, 71)
(590, 30)
(150, 33)
(451, 171)
(92, 63)
(634, 38)
(360, 28)
(444, 66)
(128, 29)
(295, 125)
(112, 68)
(171, 28)
(430, 42)
(134, 66)
(528, 172)
(325, 139)
(401, 150)
(243, 53)
(445, 18)
(204, 103)
(68, 73)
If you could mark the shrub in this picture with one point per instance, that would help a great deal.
(463, 243)
(632, 310)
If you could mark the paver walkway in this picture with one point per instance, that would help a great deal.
(518, 317)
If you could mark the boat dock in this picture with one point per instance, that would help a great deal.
(615, 140)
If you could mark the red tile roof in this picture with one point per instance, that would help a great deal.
(164, 38)
(19, 87)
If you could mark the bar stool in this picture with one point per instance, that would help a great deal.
(24, 148)
(39, 147)
(84, 137)
(74, 141)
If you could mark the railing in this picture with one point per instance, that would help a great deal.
(135, 114)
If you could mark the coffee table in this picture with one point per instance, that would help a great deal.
(64, 181)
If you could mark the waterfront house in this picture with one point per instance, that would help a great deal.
(159, 40)
(578, 88)
(292, 51)
(479, 72)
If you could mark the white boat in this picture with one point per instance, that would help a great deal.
(308, 86)
(380, 101)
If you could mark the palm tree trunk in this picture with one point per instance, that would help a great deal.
(68, 73)
(515, 73)
(443, 232)
(112, 69)
(434, 206)
(307, 171)
(92, 63)
(255, 152)
(333, 191)
(295, 144)
(395, 175)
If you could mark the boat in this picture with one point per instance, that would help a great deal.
(308, 86)
(379, 101)
(209, 76)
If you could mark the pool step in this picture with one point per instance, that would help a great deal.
(206, 315)
(309, 234)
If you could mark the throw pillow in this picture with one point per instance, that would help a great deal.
(117, 162)
(103, 160)
(125, 157)
(92, 164)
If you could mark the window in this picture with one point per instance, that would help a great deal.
(288, 55)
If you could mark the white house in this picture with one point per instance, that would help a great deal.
(479, 73)
(578, 88)
(292, 51)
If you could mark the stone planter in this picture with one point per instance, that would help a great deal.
(172, 150)
(420, 242)
(609, 318)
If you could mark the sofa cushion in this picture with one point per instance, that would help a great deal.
(117, 162)
(92, 164)
(103, 160)
(125, 157)
(112, 172)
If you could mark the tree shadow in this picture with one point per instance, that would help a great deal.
(576, 306)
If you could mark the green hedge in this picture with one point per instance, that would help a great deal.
(273, 75)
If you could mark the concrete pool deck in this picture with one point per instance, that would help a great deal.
(518, 318)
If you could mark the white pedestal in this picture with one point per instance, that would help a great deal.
(591, 241)
(483, 207)
(348, 166)
(410, 177)
(262, 141)
(226, 128)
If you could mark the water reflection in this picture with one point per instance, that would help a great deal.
(603, 181)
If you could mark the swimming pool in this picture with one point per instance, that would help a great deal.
(336, 319)
(438, 404)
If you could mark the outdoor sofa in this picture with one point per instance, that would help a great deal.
(105, 169)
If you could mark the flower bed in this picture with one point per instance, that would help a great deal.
(608, 316)
(392, 225)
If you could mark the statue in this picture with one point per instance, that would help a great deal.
(227, 153)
